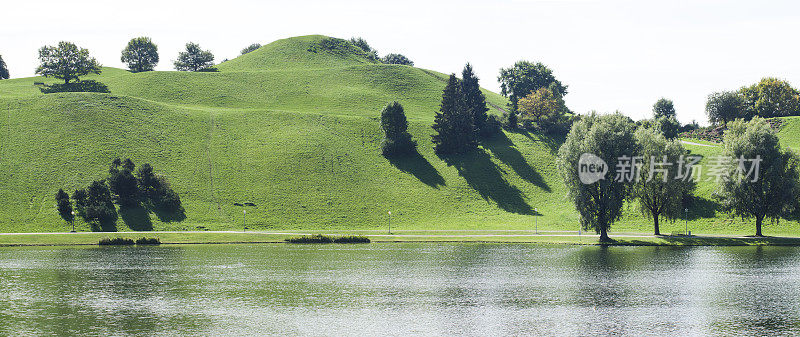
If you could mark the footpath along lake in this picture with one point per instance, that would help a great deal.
(399, 289)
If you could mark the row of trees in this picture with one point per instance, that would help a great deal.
(95, 203)
(372, 53)
(615, 137)
(768, 98)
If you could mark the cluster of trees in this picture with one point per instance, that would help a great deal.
(462, 119)
(770, 97)
(4, 75)
(661, 193)
(535, 96)
(95, 204)
(372, 53)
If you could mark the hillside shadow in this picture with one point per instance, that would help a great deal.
(80, 86)
(419, 167)
(701, 208)
(169, 216)
(552, 142)
(136, 218)
(503, 149)
(106, 226)
(486, 178)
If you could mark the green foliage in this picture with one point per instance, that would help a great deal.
(668, 126)
(608, 137)
(525, 77)
(774, 192)
(362, 44)
(79, 86)
(397, 59)
(148, 241)
(158, 192)
(141, 54)
(455, 130)
(475, 101)
(4, 75)
(725, 106)
(545, 110)
(659, 190)
(250, 48)
(771, 97)
(396, 138)
(319, 238)
(663, 108)
(116, 242)
(63, 205)
(99, 209)
(122, 182)
(80, 197)
(194, 59)
(66, 62)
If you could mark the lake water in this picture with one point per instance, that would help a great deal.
(399, 289)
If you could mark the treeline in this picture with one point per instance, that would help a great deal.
(768, 98)
(95, 203)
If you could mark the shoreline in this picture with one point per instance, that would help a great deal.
(499, 237)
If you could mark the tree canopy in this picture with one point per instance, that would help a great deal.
(455, 129)
(4, 75)
(397, 59)
(724, 106)
(372, 54)
(141, 54)
(475, 101)
(66, 62)
(664, 108)
(396, 138)
(771, 97)
(194, 59)
(761, 179)
(525, 77)
(608, 138)
(546, 110)
(250, 48)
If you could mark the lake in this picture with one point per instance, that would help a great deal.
(399, 289)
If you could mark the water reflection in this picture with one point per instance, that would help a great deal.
(399, 289)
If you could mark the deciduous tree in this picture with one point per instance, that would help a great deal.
(524, 77)
(724, 106)
(141, 54)
(252, 47)
(66, 62)
(396, 138)
(194, 59)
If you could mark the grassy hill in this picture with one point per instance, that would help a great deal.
(293, 128)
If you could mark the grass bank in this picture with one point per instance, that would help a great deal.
(623, 239)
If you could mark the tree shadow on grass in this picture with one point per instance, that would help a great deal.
(486, 178)
(169, 216)
(552, 142)
(416, 165)
(80, 86)
(106, 226)
(136, 217)
(701, 208)
(503, 149)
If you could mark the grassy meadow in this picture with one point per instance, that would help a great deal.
(293, 129)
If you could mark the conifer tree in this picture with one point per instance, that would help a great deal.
(396, 138)
(455, 130)
(474, 100)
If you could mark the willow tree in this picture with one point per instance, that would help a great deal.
(761, 180)
(607, 139)
(662, 183)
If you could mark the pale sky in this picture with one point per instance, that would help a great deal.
(614, 55)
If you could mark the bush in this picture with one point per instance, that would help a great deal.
(351, 239)
(148, 241)
(116, 242)
(250, 48)
(319, 238)
(397, 59)
(80, 86)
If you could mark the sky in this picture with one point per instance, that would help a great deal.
(616, 55)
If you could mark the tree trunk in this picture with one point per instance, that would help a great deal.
(759, 219)
(655, 225)
(604, 235)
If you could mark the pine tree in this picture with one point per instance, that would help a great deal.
(475, 101)
(396, 138)
(455, 130)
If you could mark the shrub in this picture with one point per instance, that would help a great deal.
(148, 241)
(397, 59)
(351, 239)
(316, 238)
(250, 48)
(116, 242)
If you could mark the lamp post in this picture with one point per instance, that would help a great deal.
(72, 219)
(244, 212)
(390, 222)
(536, 219)
(686, 217)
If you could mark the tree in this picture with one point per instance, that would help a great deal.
(250, 48)
(475, 101)
(396, 138)
(66, 62)
(771, 97)
(194, 59)
(668, 126)
(99, 209)
(455, 131)
(3, 69)
(761, 180)
(141, 54)
(724, 106)
(608, 138)
(64, 206)
(80, 197)
(157, 191)
(524, 77)
(397, 59)
(122, 182)
(546, 109)
(372, 54)
(657, 190)
(664, 108)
